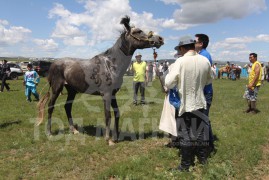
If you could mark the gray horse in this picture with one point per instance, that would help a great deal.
(101, 75)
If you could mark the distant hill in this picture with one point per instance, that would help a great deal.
(20, 59)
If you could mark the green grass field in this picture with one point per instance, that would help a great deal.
(27, 153)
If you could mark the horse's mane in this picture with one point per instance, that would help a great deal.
(126, 22)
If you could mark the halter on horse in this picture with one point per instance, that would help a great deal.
(101, 75)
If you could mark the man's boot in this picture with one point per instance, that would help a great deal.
(202, 153)
(253, 107)
(187, 158)
(249, 107)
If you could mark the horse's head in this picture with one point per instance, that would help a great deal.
(138, 39)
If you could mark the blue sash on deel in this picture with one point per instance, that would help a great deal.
(174, 98)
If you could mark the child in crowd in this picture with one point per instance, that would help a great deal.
(31, 80)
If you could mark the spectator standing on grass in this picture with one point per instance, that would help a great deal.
(160, 69)
(139, 69)
(154, 70)
(267, 72)
(5, 70)
(201, 44)
(214, 70)
(31, 80)
(149, 69)
(264, 72)
(190, 74)
(165, 66)
(254, 83)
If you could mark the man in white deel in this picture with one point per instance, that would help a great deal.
(191, 73)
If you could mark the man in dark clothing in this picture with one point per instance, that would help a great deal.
(5, 70)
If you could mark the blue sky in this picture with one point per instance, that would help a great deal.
(84, 28)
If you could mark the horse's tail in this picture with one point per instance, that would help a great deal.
(41, 108)
(219, 73)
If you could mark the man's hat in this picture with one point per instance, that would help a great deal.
(5, 60)
(184, 40)
(138, 54)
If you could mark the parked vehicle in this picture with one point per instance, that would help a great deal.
(23, 66)
(15, 71)
(42, 67)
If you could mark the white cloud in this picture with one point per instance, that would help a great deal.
(76, 41)
(236, 48)
(208, 11)
(239, 40)
(170, 1)
(171, 23)
(232, 56)
(99, 25)
(263, 37)
(13, 34)
(3, 23)
(65, 30)
(94, 25)
(59, 10)
(46, 45)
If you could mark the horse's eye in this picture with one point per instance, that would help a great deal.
(138, 31)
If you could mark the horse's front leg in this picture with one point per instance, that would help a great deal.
(107, 103)
(115, 107)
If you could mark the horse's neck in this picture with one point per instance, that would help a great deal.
(122, 56)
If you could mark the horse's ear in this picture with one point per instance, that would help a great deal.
(125, 21)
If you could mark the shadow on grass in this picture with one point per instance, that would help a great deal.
(99, 131)
(13, 90)
(145, 103)
(4, 125)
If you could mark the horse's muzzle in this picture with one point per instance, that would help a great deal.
(156, 41)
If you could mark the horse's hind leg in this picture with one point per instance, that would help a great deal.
(71, 94)
(51, 108)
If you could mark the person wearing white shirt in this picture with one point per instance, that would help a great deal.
(191, 73)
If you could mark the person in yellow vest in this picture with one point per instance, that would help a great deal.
(254, 83)
(139, 69)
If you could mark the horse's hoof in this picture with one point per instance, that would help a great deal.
(107, 139)
(38, 123)
(111, 143)
(75, 131)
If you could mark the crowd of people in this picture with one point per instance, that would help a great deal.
(195, 94)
